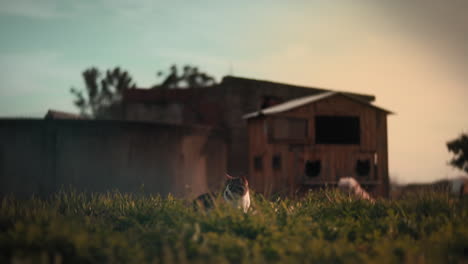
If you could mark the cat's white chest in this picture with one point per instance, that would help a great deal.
(238, 202)
(245, 202)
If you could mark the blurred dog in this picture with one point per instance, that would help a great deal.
(350, 186)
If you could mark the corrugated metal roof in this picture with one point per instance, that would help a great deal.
(157, 94)
(236, 80)
(286, 106)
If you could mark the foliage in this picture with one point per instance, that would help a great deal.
(101, 92)
(459, 147)
(323, 227)
(190, 77)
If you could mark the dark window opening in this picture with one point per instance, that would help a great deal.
(313, 168)
(363, 168)
(258, 162)
(290, 128)
(276, 162)
(337, 130)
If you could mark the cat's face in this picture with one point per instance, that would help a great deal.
(237, 186)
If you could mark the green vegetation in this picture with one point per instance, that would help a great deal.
(459, 149)
(323, 227)
(103, 91)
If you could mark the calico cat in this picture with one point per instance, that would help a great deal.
(350, 186)
(235, 193)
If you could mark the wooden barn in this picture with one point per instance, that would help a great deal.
(313, 141)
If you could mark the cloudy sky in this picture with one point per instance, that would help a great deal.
(412, 55)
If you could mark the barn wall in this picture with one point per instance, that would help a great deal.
(242, 97)
(257, 149)
(382, 150)
(337, 160)
(38, 156)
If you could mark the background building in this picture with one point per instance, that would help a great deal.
(220, 106)
(183, 141)
(314, 141)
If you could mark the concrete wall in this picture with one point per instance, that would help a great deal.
(167, 113)
(40, 156)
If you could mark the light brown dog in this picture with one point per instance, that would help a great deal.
(350, 186)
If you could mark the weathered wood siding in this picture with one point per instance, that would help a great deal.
(336, 160)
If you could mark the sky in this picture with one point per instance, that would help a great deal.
(412, 55)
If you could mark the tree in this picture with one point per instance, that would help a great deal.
(459, 147)
(101, 91)
(190, 77)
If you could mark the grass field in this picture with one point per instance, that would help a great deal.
(323, 227)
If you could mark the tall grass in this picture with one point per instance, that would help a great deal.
(323, 227)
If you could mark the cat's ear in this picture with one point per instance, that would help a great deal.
(229, 177)
(244, 179)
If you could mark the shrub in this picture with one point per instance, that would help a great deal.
(323, 227)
